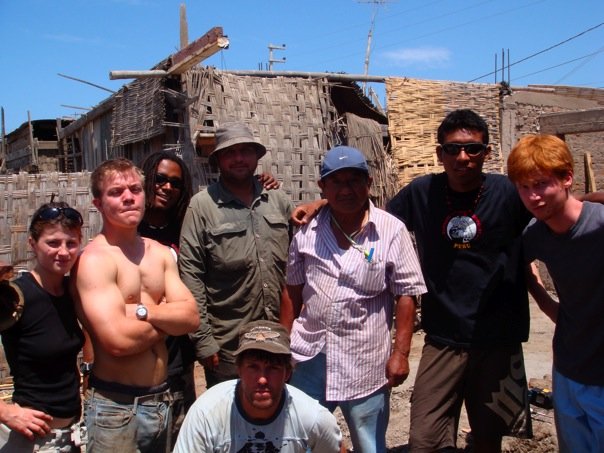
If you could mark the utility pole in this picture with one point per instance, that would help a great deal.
(272, 60)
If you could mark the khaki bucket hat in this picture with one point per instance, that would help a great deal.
(234, 133)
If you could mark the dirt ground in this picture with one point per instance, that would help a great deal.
(538, 363)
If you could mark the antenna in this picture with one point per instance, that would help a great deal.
(376, 4)
(272, 60)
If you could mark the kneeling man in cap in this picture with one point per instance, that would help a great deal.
(259, 411)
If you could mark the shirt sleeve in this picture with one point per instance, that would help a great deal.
(406, 278)
(191, 264)
(325, 435)
(295, 263)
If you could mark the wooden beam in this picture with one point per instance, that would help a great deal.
(152, 73)
(200, 49)
(572, 122)
(333, 76)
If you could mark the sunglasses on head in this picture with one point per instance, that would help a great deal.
(161, 180)
(53, 212)
(471, 149)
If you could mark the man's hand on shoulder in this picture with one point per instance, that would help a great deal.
(268, 181)
(304, 213)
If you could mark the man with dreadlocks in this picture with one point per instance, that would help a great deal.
(168, 190)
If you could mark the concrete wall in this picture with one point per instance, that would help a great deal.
(520, 115)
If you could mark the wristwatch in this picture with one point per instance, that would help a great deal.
(86, 368)
(141, 312)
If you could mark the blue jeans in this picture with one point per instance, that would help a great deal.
(579, 415)
(366, 417)
(139, 426)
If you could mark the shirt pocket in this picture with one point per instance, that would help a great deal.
(230, 246)
(367, 278)
(277, 237)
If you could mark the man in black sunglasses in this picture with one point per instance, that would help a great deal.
(467, 226)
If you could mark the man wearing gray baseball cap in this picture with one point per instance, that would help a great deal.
(259, 411)
(233, 250)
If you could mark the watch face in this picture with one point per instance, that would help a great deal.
(141, 312)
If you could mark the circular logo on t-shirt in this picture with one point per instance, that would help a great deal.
(462, 228)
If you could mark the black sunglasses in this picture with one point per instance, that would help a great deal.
(471, 149)
(53, 212)
(161, 180)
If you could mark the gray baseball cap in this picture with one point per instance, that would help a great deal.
(264, 335)
(234, 133)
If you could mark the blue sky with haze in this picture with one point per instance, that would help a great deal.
(431, 39)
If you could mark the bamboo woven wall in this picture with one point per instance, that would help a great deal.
(23, 193)
(139, 112)
(293, 117)
(366, 135)
(416, 109)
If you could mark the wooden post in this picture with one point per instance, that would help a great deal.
(3, 145)
(590, 179)
(184, 27)
(62, 151)
(32, 145)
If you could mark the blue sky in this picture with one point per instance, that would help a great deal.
(431, 39)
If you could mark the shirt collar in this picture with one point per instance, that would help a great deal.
(224, 196)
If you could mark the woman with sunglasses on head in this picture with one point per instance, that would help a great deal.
(42, 346)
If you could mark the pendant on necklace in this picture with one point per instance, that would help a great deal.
(462, 227)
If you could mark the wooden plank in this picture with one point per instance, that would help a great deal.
(572, 122)
(590, 178)
(102, 108)
(198, 50)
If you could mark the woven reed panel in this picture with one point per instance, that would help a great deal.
(292, 117)
(366, 134)
(139, 112)
(23, 193)
(417, 107)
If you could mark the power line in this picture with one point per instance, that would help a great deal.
(580, 65)
(541, 51)
(560, 64)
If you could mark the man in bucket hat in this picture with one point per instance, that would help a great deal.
(259, 411)
(233, 250)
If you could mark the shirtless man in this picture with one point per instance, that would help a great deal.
(128, 297)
